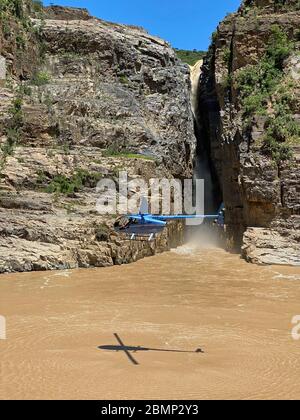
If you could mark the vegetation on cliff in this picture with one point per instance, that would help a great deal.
(190, 57)
(19, 8)
(62, 184)
(18, 12)
(19, 37)
(276, 6)
(22, 46)
(12, 130)
(265, 91)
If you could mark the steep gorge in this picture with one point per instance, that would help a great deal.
(203, 165)
(83, 99)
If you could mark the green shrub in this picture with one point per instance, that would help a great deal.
(256, 84)
(25, 90)
(16, 112)
(279, 46)
(61, 184)
(124, 80)
(282, 125)
(282, 130)
(13, 137)
(279, 152)
(263, 78)
(41, 79)
(5, 28)
(259, 86)
(13, 129)
(21, 42)
(255, 104)
(87, 179)
(269, 76)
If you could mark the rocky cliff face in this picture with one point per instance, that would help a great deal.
(249, 109)
(88, 99)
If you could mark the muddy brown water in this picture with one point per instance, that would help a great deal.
(240, 315)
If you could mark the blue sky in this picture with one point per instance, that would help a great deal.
(186, 24)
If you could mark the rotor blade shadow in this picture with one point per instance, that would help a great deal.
(135, 349)
(123, 347)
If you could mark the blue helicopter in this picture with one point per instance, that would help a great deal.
(145, 223)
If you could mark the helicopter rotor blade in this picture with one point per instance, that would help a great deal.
(180, 217)
(154, 221)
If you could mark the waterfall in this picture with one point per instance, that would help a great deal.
(202, 167)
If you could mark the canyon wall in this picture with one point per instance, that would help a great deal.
(249, 112)
(83, 99)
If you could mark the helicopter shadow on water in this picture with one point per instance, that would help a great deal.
(134, 349)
